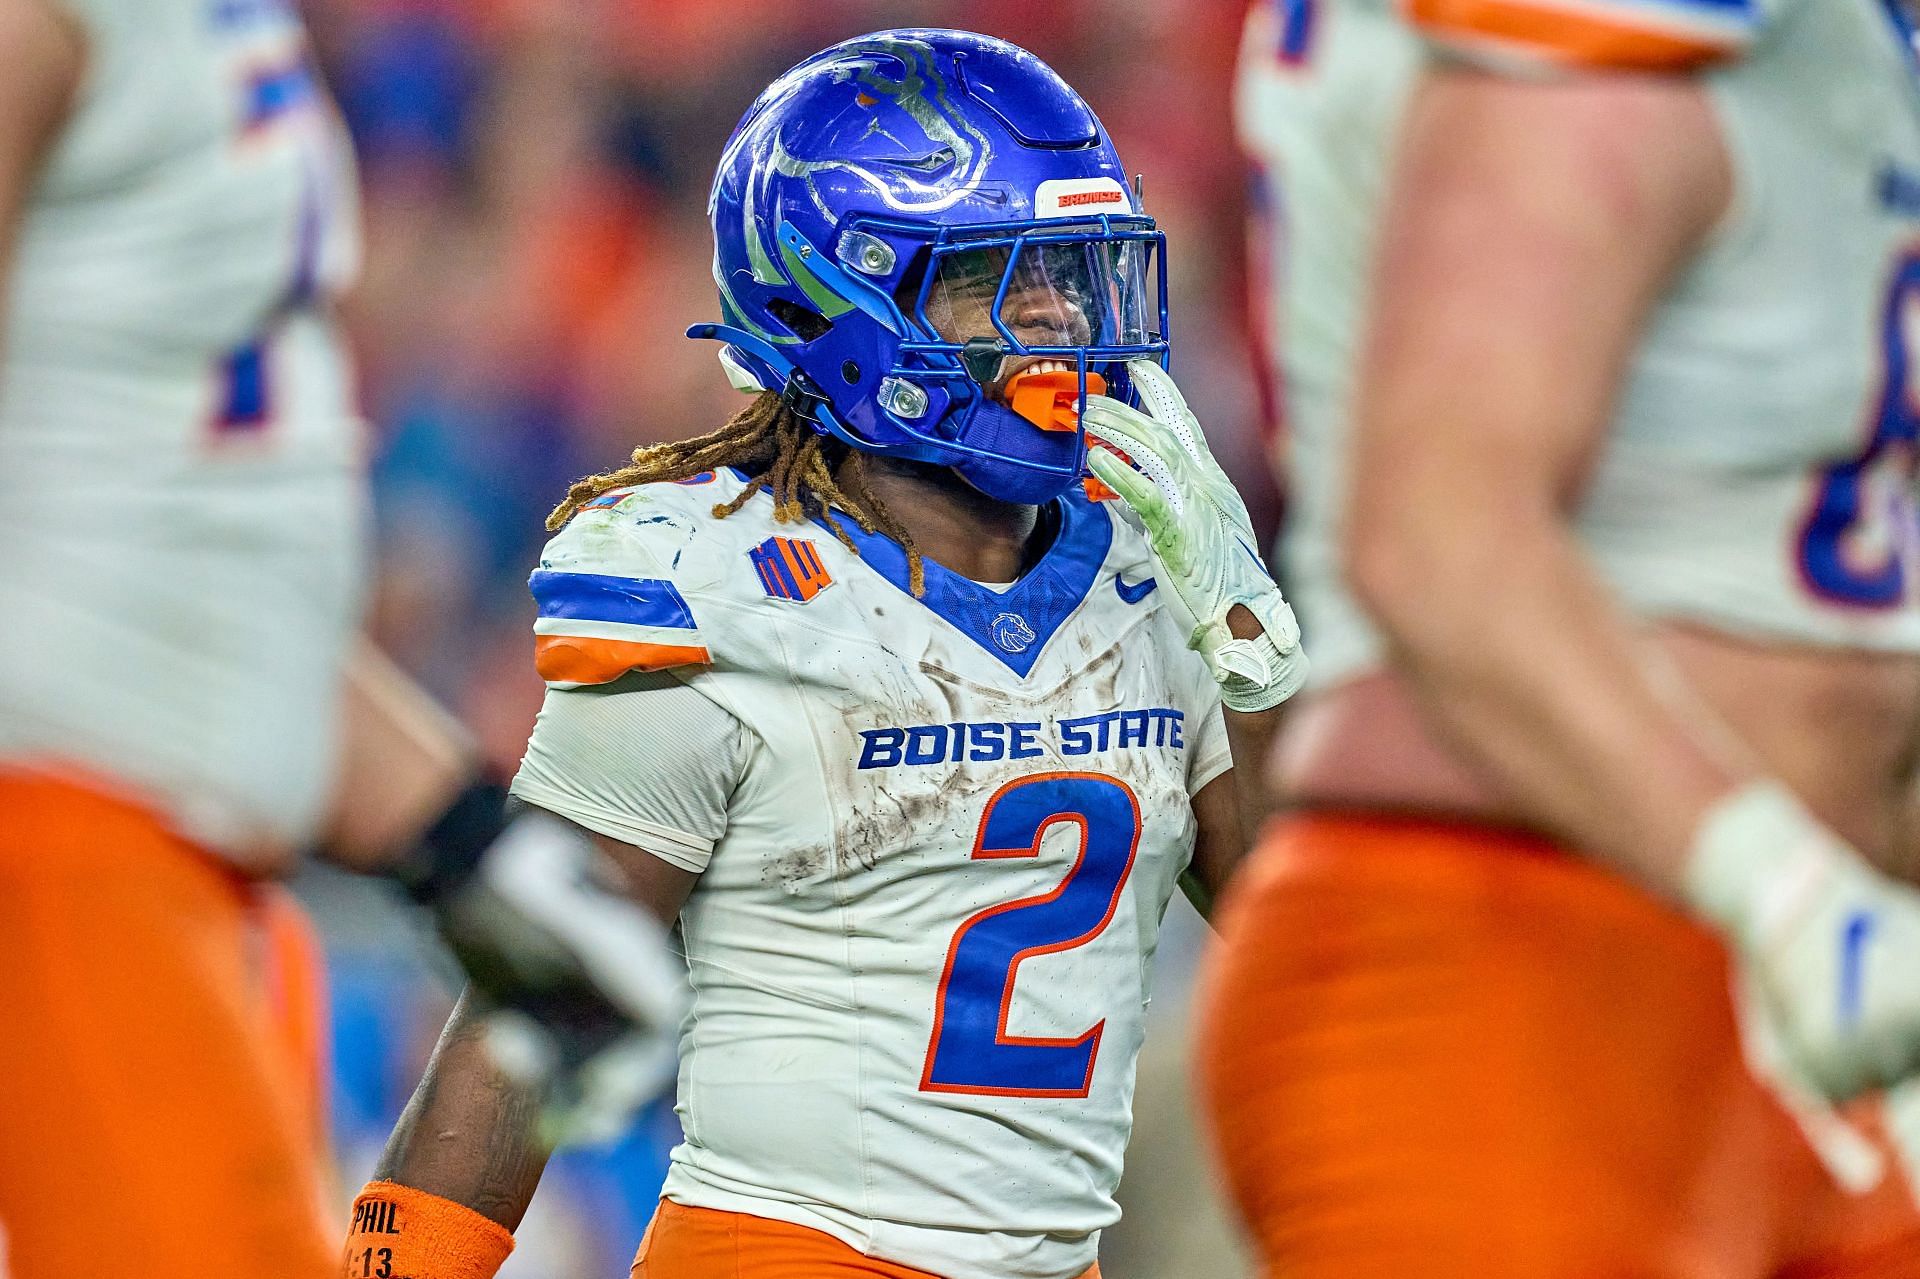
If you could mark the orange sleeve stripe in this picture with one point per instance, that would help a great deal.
(576, 659)
(1582, 39)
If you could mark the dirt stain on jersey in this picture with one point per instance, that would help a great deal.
(935, 813)
(796, 867)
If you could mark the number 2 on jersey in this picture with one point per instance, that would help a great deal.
(1860, 529)
(971, 1050)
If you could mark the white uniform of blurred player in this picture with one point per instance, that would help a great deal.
(1597, 325)
(182, 498)
(180, 545)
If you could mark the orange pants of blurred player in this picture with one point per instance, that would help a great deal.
(1455, 1053)
(153, 1121)
(700, 1243)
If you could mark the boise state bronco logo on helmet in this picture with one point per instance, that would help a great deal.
(895, 162)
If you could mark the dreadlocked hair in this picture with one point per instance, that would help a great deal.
(810, 476)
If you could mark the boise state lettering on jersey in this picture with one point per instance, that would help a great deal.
(984, 743)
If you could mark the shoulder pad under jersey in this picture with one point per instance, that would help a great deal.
(1674, 36)
(611, 588)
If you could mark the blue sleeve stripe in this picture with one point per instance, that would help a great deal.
(598, 597)
(1719, 13)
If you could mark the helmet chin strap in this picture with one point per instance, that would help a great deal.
(1004, 484)
(996, 424)
(1053, 457)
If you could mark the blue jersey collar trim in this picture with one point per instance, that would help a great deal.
(1013, 625)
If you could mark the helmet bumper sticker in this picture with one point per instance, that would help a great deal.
(1080, 198)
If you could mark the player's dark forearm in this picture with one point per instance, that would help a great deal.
(1250, 737)
(469, 1134)
(1220, 844)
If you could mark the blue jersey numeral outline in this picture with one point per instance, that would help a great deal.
(970, 1050)
(1838, 509)
(244, 404)
(1299, 22)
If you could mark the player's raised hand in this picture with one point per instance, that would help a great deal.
(579, 987)
(1201, 536)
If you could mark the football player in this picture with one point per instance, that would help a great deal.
(864, 691)
(180, 504)
(1598, 323)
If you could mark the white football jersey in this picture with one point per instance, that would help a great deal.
(1758, 475)
(919, 946)
(180, 490)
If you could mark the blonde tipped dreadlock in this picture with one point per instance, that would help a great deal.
(781, 453)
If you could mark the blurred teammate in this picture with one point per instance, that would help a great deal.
(1621, 472)
(180, 505)
(864, 691)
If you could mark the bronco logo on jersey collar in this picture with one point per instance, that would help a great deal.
(1011, 633)
(790, 568)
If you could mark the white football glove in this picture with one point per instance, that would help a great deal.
(1903, 1128)
(1201, 536)
(1849, 1155)
(580, 988)
(1829, 946)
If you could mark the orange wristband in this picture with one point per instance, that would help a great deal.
(402, 1233)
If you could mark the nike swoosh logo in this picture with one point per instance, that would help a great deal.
(1135, 593)
(1853, 967)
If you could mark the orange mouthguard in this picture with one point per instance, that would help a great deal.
(1051, 401)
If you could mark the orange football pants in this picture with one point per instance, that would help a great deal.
(152, 1118)
(1458, 1053)
(701, 1243)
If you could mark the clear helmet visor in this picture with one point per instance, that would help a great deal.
(1093, 291)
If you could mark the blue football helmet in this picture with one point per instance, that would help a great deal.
(925, 241)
